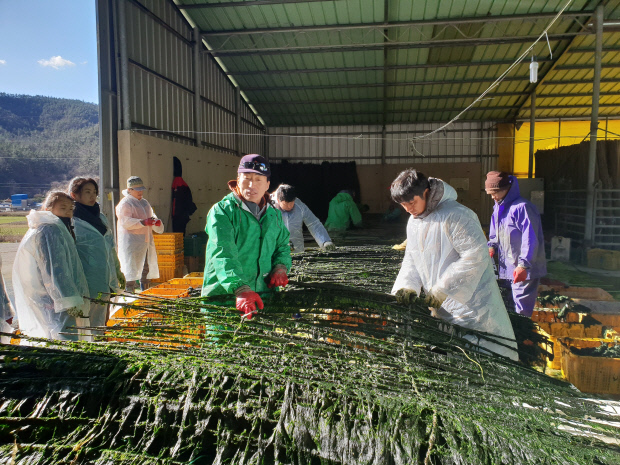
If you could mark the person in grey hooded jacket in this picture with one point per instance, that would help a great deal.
(295, 213)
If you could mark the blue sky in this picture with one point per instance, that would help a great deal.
(49, 47)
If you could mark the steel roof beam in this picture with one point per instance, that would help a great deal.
(379, 112)
(563, 82)
(574, 107)
(392, 24)
(589, 67)
(380, 68)
(393, 45)
(379, 99)
(524, 79)
(592, 50)
(204, 6)
(426, 97)
(433, 110)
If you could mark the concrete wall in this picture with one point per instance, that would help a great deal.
(205, 171)
(466, 178)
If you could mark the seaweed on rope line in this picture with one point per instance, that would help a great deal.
(358, 379)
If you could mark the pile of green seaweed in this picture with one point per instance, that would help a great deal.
(604, 350)
(326, 374)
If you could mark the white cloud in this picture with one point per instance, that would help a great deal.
(2, 62)
(57, 62)
(84, 63)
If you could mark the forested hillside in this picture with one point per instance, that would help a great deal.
(44, 141)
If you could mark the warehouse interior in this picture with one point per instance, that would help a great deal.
(438, 84)
(359, 349)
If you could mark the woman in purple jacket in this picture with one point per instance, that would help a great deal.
(516, 237)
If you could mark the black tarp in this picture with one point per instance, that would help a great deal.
(316, 184)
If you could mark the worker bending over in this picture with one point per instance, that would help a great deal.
(516, 237)
(295, 213)
(248, 249)
(446, 255)
(136, 246)
(343, 212)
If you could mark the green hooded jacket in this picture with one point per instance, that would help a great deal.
(342, 212)
(241, 249)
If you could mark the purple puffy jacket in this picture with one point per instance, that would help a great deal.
(516, 235)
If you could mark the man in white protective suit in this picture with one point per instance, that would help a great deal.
(447, 256)
(136, 246)
(295, 213)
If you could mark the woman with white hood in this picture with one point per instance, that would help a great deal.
(136, 246)
(96, 247)
(447, 256)
(48, 279)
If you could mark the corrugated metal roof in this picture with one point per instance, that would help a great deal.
(313, 62)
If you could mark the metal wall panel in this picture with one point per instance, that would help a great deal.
(161, 83)
(461, 142)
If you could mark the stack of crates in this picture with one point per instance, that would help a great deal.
(170, 256)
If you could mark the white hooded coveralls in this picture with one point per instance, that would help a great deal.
(135, 241)
(294, 221)
(48, 279)
(447, 252)
(99, 260)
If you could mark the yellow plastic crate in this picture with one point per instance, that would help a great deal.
(195, 274)
(556, 330)
(168, 242)
(170, 260)
(597, 375)
(166, 273)
(170, 251)
(193, 282)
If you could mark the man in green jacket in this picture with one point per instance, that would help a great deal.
(342, 212)
(248, 249)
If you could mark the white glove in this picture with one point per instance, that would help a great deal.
(76, 312)
(329, 246)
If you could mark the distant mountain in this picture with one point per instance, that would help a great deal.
(45, 141)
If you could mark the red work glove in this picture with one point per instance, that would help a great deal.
(157, 223)
(491, 252)
(148, 222)
(519, 275)
(247, 302)
(278, 278)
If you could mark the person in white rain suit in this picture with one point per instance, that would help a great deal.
(96, 247)
(7, 312)
(136, 247)
(294, 214)
(447, 256)
(48, 279)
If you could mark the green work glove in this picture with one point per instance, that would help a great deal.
(121, 280)
(406, 296)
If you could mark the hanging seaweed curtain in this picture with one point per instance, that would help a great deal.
(316, 184)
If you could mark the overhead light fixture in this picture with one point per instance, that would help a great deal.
(533, 71)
